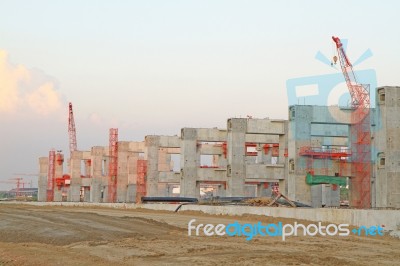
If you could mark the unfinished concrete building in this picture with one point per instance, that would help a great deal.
(309, 156)
(251, 153)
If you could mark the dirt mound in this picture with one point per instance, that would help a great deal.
(264, 201)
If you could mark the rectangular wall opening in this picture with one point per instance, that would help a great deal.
(104, 167)
(83, 168)
(176, 162)
(206, 161)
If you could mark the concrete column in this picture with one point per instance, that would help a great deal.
(381, 186)
(299, 135)
(291, 177)
(122, 174)
(96, 173)
(283, 147)
(58, 174)
(190, 161)
(132, 177)
(236, 172)
(152, 144)
(388, 139)
(75, 164)
(42, 180)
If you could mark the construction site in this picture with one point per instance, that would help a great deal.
(309, 157)
(130, 202)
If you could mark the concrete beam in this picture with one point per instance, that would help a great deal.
(137, 147)
(173, 150)
(211, 174)
(265, 126)
(211, 134)
(170, 141)
(169, 177)
(270, 171)
(260, 138)
(209, 149)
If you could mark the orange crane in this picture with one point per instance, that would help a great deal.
(71, 130)
(360, 132)
(18, 183)
(28, 175)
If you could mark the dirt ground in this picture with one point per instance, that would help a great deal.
(32, 235)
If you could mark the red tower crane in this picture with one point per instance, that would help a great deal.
(18, 183)
(113, 165)
(71, 130)
(360, 133)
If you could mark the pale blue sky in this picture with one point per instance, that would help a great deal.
(152, 67)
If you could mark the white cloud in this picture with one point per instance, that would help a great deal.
(96, 119)
(45, 99)
(107, 121)
(22, 89)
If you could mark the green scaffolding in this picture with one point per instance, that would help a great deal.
(325, 179)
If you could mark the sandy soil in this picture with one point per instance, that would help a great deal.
(95, 236)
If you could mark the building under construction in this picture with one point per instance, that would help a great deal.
(309, 156)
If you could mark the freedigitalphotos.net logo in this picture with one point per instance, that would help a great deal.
(249, 231)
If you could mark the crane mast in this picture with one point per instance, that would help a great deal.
(360, 133)
(71, 130)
